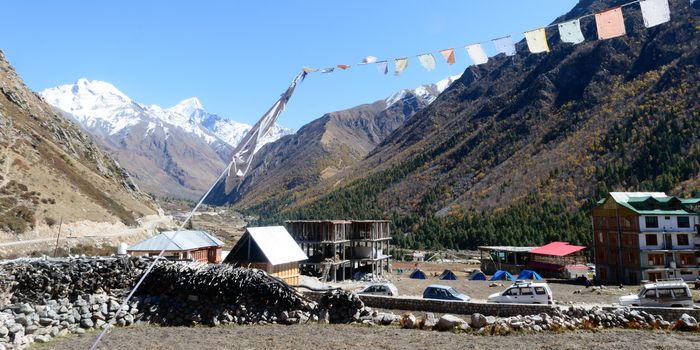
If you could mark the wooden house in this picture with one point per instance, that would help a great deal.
(271, 249)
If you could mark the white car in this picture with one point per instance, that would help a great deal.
(674, 293)
(381, 289)
(524, 293)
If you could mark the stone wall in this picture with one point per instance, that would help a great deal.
(490, 309)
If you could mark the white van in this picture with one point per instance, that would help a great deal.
(671, 292)
(524, 293)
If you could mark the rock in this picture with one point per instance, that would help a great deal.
(4, 331)
(22, 319)
(408, 321)
(41, 339)
(448, 322)
(26, 309)
(477, 321)
(687, 323)
(86, 323)
(430, 320)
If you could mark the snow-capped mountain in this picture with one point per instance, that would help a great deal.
(176, 151)
(426, 92)
(99, 105)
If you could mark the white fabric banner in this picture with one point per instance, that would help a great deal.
(477, 54)
(427, 61)
(505, 45)
(655, 12)
(570, 32)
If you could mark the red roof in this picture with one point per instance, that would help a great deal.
(557, 249)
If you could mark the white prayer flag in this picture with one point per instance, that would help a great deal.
(244, 151)
(570, 32)
(505, 45)
(427, 61)
(477, 54)
(655, 12)
(401, 64)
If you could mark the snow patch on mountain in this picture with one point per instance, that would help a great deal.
(427, 92)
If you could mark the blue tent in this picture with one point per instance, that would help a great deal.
(418, 275)
(448, 275)
(477, 276)
(529, 275)
(502, 275)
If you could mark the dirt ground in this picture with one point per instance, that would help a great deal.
(317, 336)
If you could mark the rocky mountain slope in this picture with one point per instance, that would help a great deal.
(517, 149)
(159, 146)
(327, 146)
(51, 170)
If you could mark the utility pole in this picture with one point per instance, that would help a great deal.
(55, 251)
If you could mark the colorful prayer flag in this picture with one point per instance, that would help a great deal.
(427, 61)
(368, 60)
(505, 45)
(655, 12)
(610, 24)
(401, 64)
(343, 66)
(570, 32)
(477, 54)
(449, 55)
(310, 70)
(537, 41)
(327, 70)
(383, 67)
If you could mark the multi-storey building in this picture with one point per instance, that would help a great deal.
(338, 249)
(646, 236)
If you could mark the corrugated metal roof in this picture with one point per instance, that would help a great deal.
(557, 249)
(507, 248)
(278, 246)
(184, 240)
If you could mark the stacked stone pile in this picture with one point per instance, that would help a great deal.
(338, 306)
(184, 294)
(39, 279)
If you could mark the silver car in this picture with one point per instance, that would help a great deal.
(674, 293)
(380, 289)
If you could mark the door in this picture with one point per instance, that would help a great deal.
(649, 298)
(510, 296)
(527, 296)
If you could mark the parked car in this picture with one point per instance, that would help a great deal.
(672, 292)
(524, 293)
(437, 291)
(381, 289)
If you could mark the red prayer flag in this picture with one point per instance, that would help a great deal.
(610, 24)
(449, 55)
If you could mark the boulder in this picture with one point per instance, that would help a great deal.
(687, 323)
(448, 322)
(408, 321)
(430, 321)
(477, 321)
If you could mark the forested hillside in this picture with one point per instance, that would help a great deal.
(518, 150)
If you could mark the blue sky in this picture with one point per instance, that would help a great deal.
(237, 57)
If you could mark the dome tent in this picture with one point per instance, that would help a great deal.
(448, 275)
(502, 275)
(529, 275)
(418, 275)
(477, 276)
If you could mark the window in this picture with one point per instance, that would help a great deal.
(626, 222)
(680, 292)
(650, 293)
(651, 221)
(667, 218)
(652, 240)
(526, 291)
(664, 293)
(540, 291)
(687, 259)
(512, 291)
(682, 239)
(655, 259)
(683, 221)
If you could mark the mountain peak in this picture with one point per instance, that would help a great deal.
(187, 106)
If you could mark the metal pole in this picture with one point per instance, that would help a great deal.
(55, 250)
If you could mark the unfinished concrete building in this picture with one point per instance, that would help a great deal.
(338, 249)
